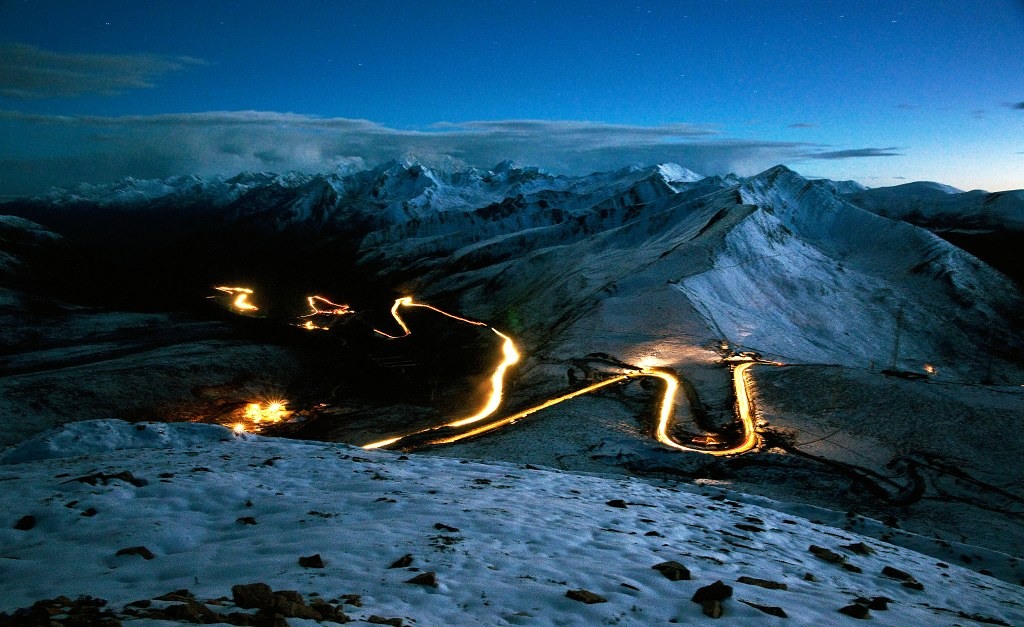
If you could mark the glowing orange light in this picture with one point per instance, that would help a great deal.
(241, 294)
(336, 309)
(930, 369)
(238, 427)
(406, 301)
(258, 413)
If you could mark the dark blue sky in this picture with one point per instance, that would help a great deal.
(870, 90)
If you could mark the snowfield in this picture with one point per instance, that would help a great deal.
(506, 543)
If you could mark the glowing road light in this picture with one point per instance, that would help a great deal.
(241, 302)
(407, 301)
(510, 356)
(274, 411)
(335, 308)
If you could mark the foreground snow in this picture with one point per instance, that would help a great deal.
(506, 542)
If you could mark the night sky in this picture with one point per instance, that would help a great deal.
(882, 92)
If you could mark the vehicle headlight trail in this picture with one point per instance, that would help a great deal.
(321, 306)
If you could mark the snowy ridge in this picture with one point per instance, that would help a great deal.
(505, 543)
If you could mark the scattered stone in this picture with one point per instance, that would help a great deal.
(142, 603)
(717, 591)
(629, 586)
(763, 583)
(907, 580)
(746, 527)
(810, 577)
(980, 618)
(444, 527)
(380, 620)
(859, 548)
(141, 551)
(829, 556)
(329, 612)
(253, 595)
(428, 578)
(771, 610)
(712, 608)
(313, 561)
(102, 478)
(177, 595)
(585, 596)
(875, 603)
(856, 610)
(290, 604)
(89, 513)
(852, 568)
(82, 611)
(654, 534)
(25, 523)
(402, 562)
(191, 612)
(617, 503)
(245, 520)
(352, 599)
(673, 571)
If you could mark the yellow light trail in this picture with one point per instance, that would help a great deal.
(338, 310)
(241, 301)
(665, 413)
(407, 301)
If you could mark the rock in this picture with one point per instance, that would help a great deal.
(712, 608)
(191, 612)
(852, 568)
(101, 478)
(313, 561)
(810, 577)
(896, 573)
(763, 583)
(245, 520)
(673, 571)
(874, 603)
(428, 578)
(25, 523)
(444, 527)
(617, 503)
(771, 610)
(653, 534)
(913, 585)
(829, 556)
(859, 548)
(402, 562)
(380, 620)
(585, 596)
(330, 612)
(354, 600)
(856, 610)
(717, 591)
(253, 595)
(141, 551)
(178, 595)
(746, 527)
(89, 513)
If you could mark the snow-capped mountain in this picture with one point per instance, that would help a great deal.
(790, 267)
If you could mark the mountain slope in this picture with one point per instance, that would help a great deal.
(201, 509)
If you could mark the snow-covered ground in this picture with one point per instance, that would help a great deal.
(506, 543)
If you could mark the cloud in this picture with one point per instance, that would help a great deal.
(47, 150)
(855, 153)
(803, 125)
(1019, 106)
(28, 72)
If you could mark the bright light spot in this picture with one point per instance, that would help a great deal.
(930, 369)
(650, 361)
(258, 413)
(241, 294)
(238, 428)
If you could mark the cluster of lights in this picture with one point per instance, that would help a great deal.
(257, 414)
